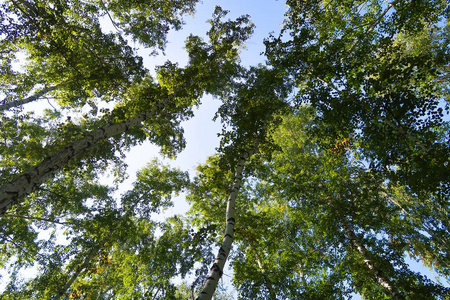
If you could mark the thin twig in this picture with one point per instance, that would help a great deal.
(109, 16)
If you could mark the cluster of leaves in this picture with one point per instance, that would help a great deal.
(359, 178)
(349, 178)
(110, 248)
(374, 70)
(83, 241)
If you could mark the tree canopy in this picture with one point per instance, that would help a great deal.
(331, 174)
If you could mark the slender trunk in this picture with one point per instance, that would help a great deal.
(266, 278)
(192, 293)
(377, 273)
(302, 276)
(75, 275)
(12, 192)
(29, 99)
(217, 268)
(267, 281)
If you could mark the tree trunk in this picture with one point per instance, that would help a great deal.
(377, 273)
(75, 275)
(217, 269)
(269, 284)
(267, 281)
(12, 192)
(29, 99)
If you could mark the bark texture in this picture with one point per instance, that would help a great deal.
(29, 99)
(377, 272)
(12, 192)
(267, 280)
(217, 269)
(75, 275)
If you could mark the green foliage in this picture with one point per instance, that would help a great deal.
(148, 22)
(349, 117)
(65, 48)
(250, 108)
(108, 244)
(292, 219)
(377, 72)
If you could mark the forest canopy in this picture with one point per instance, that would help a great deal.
(332, 171)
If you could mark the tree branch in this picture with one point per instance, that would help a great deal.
(35, 218)
(29, 99)
(269, 284)
(12, 192)
(372, 27)
(109, 16)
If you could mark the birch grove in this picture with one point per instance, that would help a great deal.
(331, 169)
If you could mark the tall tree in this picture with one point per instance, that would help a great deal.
(333, 158)
(249, 108)
(145, 108)
(148, 108)
(317, 224)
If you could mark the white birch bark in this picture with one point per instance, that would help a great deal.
(75, 275)
(12, 192)
(29, 99)
(267, 280)
(217, 269)
(377, 273)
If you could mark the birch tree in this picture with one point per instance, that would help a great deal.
(248, 112)
(314, 223)
(112, 248)
(145, 108)
(332, 166)
(149, 108)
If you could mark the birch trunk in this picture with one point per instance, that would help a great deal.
(12, 192)
(75, 275)
(29, 99)
(266, 279)
(217, 269)
(377, 273)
